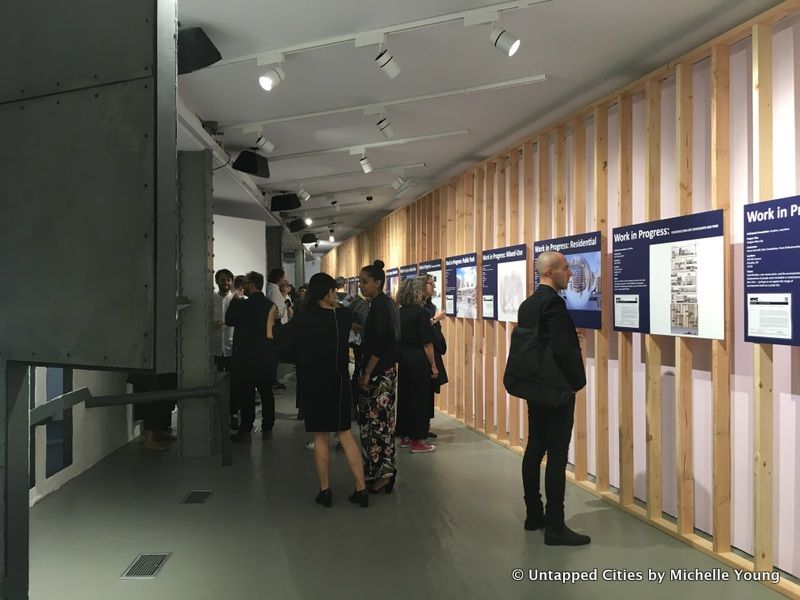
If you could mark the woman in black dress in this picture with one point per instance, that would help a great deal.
(439, 342)
(380, 350)
(417, 367)
(322, 331)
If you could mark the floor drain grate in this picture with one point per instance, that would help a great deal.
(197, 497)
(145, 566)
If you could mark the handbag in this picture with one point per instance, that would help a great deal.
(439, 342)
(531, 369)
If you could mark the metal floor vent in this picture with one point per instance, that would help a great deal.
(146, 566)
(197, 497)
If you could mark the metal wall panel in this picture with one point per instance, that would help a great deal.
(77, 228)
(198, 425)
(57, 46)
(167, 185)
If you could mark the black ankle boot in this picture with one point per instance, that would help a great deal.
(561, 535)
(325, 497)
(360, 497)
(535, 521)
(534, 518)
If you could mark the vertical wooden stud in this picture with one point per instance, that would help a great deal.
(683, 346)
(490, 327)
(625, 339)
(720, 349)
(480, 373)
(653, 343)
(763, 365)
(528, 216)
(512, 237)
(578, 227)
(502, 340)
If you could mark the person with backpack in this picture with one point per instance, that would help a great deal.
(546, 344)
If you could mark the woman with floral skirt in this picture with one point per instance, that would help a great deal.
(378, 383)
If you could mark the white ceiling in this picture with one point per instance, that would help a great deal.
(587, 48)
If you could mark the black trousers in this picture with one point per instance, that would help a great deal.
(549, 432)
(243, 388)
(224, 365)
(157, 416)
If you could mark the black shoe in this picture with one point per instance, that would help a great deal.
(360, 497)
(325, 497)
(278, 386)
(431, 435)
(242, 437)
(561, 535)
(535, 521)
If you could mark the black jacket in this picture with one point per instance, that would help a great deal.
(382, 333)
(557, 326)
(252, 350)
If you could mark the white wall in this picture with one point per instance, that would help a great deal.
(313, 267)
(239, 245)
(96, 432)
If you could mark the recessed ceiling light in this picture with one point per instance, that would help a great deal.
(309, 221)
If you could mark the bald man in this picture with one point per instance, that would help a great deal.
(550, 427)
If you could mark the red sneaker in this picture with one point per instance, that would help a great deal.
(420, 446)
(405, 442)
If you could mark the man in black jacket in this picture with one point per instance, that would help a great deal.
(254, 361)
(550, 427)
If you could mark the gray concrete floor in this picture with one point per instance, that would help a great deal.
(452, 529)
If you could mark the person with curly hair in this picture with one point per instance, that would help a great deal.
(418, 369)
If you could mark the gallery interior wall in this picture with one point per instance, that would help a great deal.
(653, 150)
(239, 245)
(97, 432)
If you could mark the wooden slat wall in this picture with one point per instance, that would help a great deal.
(653, 342)
(429, 228)
(625, 339)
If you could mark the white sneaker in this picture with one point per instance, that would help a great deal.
(311, 445)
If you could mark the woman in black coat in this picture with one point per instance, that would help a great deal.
(418, 368)
(322, 330)
(439, 342)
